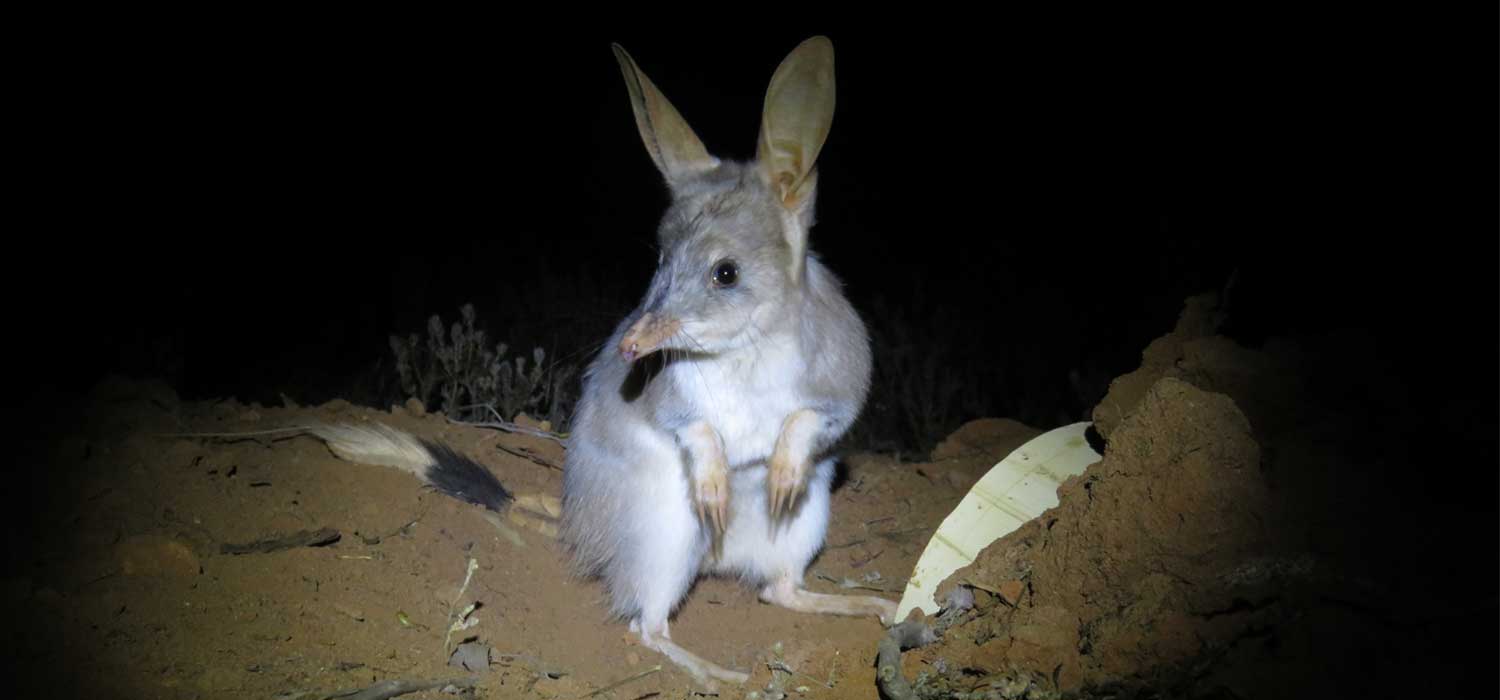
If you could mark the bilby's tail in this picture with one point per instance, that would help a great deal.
(435, 464)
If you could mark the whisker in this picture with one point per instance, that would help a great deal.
(755, 334)
(703, 380)
(589, 350)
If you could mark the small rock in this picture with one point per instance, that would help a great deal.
(415, 407)
(538, 526)
(526, 421)
(471, 657)
(541, 504)
(959, 598)
(350, 612)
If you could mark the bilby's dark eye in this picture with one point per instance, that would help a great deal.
(726, 273)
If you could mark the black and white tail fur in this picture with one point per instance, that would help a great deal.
(437, 465)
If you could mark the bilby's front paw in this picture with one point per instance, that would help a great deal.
(786, 478)
(790, 460)
(711, 499)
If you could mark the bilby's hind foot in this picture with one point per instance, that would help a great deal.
(790, 595)
(705, 672)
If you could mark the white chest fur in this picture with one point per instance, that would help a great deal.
(745, 396)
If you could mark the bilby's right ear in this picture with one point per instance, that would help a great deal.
(678, 153)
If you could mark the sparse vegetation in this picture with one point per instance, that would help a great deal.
(928, 379)
(935, 367)
(457, 368)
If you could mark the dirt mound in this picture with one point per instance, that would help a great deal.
(1230, 544)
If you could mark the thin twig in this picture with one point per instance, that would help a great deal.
(512, 428)
(622, 681)
(501, 424)
(534, 459)
(861, 562)
(301, 538)
(392, 688)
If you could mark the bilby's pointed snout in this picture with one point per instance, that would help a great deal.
(647, 335)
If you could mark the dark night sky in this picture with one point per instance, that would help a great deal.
(275, 202)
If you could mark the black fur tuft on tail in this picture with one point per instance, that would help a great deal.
(463, 478)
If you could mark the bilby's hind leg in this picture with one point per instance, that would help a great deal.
(779, 552)
(659, 638)
(660, 553)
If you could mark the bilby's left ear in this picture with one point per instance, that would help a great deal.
(794, 125)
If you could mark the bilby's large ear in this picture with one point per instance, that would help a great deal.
(793, 127)
(670, 141)
(796, 119)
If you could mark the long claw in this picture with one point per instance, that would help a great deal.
(783, 498)
(711, 502)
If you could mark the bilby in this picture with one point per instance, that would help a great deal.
(701, 440)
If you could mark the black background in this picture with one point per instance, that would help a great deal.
(249, 206)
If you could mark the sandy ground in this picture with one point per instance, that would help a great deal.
(1234, 542)
(134, 596)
